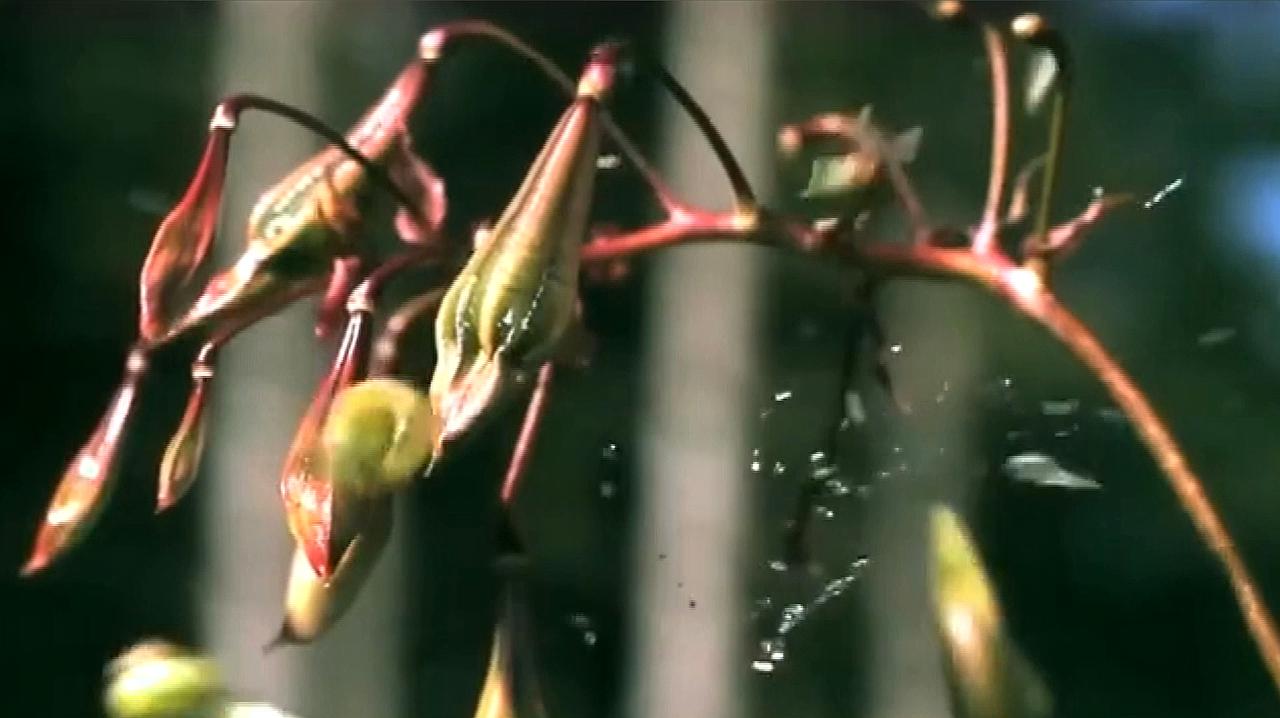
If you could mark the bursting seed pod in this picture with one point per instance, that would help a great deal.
(510, 306)
(988, 676)
(305, 485)
(306, 230)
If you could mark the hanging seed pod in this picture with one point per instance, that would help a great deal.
(88, 482)
(509, 307)
(312, 606)
(181, 460)
(305, 484)
(181, 244)
(158, 680)
(987, 674)
(310, 219)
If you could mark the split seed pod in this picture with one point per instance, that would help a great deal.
(987, 674)
(509, 307)
(306, 487)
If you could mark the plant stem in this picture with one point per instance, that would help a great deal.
(998, 61)
(519, 463)
(1025, 289)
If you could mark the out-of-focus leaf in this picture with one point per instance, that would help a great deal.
(158, 680)
(987, 674)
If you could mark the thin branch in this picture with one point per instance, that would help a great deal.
(1020, 197)
(997, 59)
(386, 349)
(520, 455)
(1032, 29)
(226, 117)
(1025, 289)
(744, 197)
(432, 44)
(1067, 236)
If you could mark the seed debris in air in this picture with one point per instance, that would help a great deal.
(1064, 407)
(772, 650)
(1165, 191)
(1033, 467)
(853, 407)
(1216, 336)
(608, 162)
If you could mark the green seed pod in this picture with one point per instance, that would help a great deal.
(311, 219)
(379, 432)
(158, 680)
(509, 307)
(987, 674)
(181, 460)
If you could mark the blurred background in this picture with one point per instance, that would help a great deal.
(655, 510)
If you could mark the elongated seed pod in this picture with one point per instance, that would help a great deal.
(88, 482)
(310, 219)
(181, 461)
(987, 674)
(509, 307)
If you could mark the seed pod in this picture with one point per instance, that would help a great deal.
(310, 219)
(987, 674)
(157, 680)
(88, 482)
(181, 243)
(181, 462)
(508, 308)
(312, 606)
(305, 484)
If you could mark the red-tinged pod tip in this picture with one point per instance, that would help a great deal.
(309, 510)
(181, 462)
(86, 485)
(598, 77)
